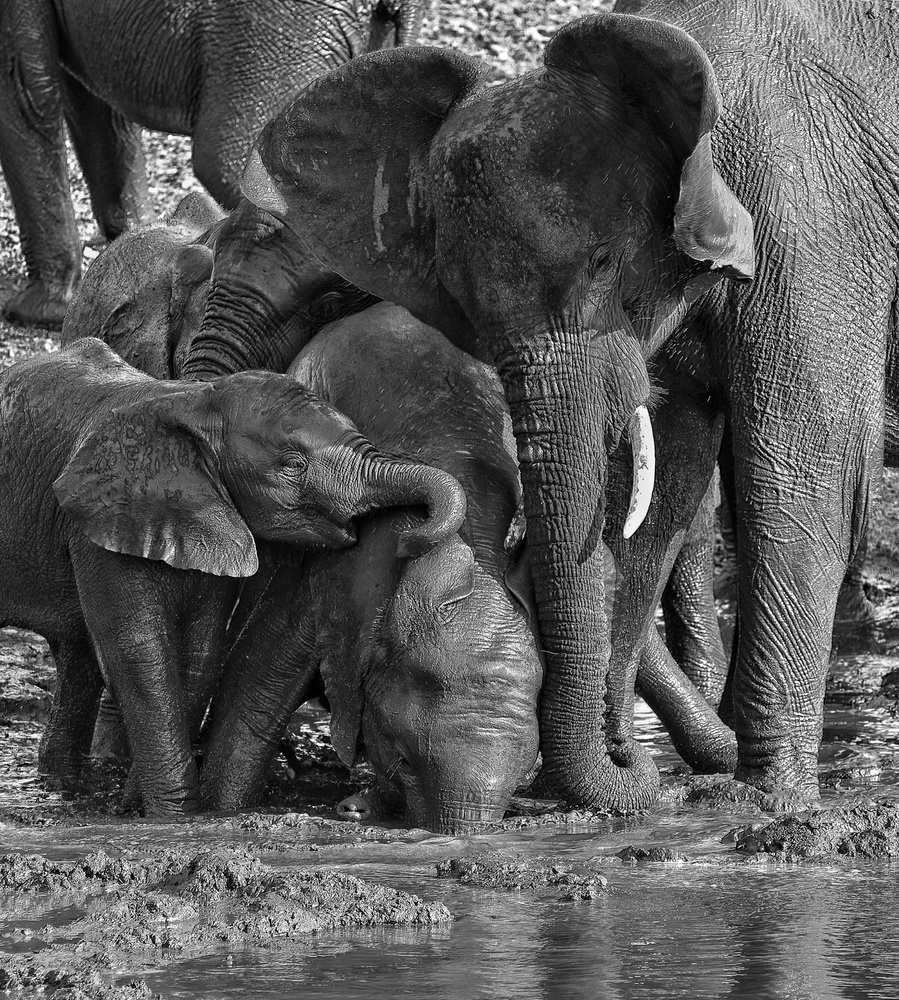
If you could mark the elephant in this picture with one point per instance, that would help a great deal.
(792, 366)
(144, 296)
(429, 664)
(131, 508)
(145, 293)
(556, 226)
(216, 72)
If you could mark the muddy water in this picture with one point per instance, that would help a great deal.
(713, 924)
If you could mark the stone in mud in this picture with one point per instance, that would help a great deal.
(518, 873)
(866, 831)
(634, 855)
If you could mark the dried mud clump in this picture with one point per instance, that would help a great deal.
(869, 831)
(516, 873)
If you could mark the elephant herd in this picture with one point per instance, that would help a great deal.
(383, 428)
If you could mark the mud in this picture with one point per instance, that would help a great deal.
(869, 830)
(516, 873)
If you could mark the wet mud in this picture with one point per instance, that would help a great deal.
(517, 873)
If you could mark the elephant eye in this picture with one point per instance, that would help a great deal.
(295, 461)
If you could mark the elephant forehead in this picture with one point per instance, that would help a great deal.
(529, 138)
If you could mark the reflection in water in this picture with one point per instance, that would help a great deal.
(716, 926)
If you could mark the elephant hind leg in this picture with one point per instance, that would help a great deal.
(66, 742)
(109, 150)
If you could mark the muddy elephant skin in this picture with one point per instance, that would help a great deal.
(555, 226)
(429, 665)
(216, 72)
(130, 507)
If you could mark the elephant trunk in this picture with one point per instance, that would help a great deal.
(556, 394)
(393, 482)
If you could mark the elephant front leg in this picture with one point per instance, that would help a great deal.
(268, 673)
(692, 632)
(33, 158)
(109, 150)
(132, 617)
(66, 740)
(688, 432)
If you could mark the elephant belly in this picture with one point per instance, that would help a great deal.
(142, 58)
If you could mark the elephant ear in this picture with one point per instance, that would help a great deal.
(143, 481)
(666, 78)
(346, 166)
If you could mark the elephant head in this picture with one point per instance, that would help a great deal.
(189, 473)
(444, 697)
(556, 226)
(146, 292)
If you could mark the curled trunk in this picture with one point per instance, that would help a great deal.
(559, 409)
(393, 482)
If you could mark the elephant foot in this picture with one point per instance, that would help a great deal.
(781, 792)
(39, 304)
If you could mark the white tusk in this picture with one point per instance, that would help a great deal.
(643, 447)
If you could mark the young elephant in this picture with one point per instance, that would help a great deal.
(145, 294)
(429, 664)
(129, 509)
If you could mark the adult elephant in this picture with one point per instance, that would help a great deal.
(214, 71)
(795, 363)
(555, 226)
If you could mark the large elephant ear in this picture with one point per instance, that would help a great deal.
(346, 166)
(667, 79)
(143, 481)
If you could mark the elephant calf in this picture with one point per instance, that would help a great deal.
(129, 510)
(429, 663)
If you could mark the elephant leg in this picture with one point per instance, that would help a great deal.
(109, 150)
(203, 650)
(269, 672)
(33, 158)
(688, 432)
(131, 609)
(66, 741)
(110, 741)
(698, 735)
(688, 603)
(800, 511)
